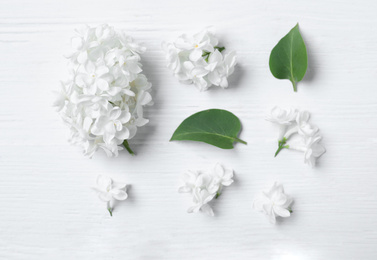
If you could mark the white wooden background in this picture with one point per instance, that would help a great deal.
(47, 209)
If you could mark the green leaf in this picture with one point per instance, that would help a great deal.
(214, 126)
(289, 59)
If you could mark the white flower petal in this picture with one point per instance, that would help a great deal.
(102, 84)
(145, 98)
(123, 134)
(119, 194)
(115, 113)
(207, 210)
(196, 54)
(104, 196)
(227, 182)
(215, 57)
(141, 121)
(224, 82)
(124, 117)
(214, 78)
(103, 182)
(90, 68)
(82, 57)
(102, 70)
(219, 170)
(193, 209)
(128, 92)
(282, 212)
(108, 137)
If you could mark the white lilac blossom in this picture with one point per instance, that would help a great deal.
(199, 60)
(109, 191)
(205, 186)
(304, 128)
(313, 149)
(274, 203)
(294, 122)
(103, 100)
(282, 116)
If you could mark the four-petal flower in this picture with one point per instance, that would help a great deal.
(109, 191)
(273, 203)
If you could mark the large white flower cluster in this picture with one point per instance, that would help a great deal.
(206, 185)
(102, 102)
(274, 203)
(199, 60)
(294, 122)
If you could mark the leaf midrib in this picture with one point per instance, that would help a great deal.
(291, 59)
(208, 133)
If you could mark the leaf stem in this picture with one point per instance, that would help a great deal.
(239, 140)
(294, 85)
(128, 148)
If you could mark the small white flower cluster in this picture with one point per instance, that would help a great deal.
(296, 122)
(199, 60)
(274, 203)
(103, 100)
(109, 191)
(206, 185)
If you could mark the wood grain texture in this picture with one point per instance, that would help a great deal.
(47, 208)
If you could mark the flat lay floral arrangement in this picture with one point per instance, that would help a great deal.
(103, 99)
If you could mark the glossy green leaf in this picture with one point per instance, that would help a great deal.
(214, 126)
(289, 59)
